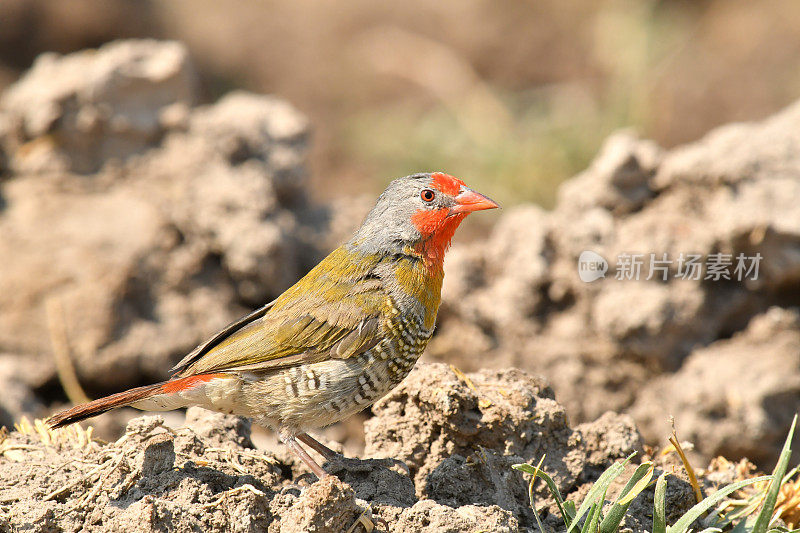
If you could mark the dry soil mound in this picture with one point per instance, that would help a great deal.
(516, 298)
(452, 439)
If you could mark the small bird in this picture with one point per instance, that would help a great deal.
(336, 341)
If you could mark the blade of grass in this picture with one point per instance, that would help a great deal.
(741, 527)
(551, 485)
(746, 508)
(790, 474)
(530, 496)
(635, 485)
(569, 507)
(683, 523)
(599, 488)
(698, 494)
(659, 505)
(742, 512)
(590, 526)
(765, 516)
(533, 481)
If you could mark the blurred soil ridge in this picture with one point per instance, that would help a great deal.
(517, 97)
(133, 223)
(451, 446)
(722, 356)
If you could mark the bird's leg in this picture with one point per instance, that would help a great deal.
(317, 446)
(298, 450)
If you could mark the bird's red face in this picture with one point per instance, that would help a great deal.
(445, 202)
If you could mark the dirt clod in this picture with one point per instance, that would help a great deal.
(328, 505)
(449, 440)
(159, 455)
(142, 231)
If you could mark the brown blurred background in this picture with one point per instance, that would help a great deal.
(513, 96)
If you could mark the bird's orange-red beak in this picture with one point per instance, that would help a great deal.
(468, 201)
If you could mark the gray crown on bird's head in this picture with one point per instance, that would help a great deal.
(389, 226)
(415, 209)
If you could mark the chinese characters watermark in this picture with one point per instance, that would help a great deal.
(634, 267)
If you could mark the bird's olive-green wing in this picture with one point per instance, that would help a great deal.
(219, 337)
(333, 312)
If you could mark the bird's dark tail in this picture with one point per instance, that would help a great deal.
(101, 405)
(163, 396)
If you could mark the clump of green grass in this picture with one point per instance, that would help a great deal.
(757, 513)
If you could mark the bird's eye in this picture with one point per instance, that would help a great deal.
(427, 195)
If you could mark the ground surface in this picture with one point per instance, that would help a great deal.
(440, 452)
(135, 223)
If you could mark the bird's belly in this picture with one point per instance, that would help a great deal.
(315, 395)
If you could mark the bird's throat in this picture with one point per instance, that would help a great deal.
(438, 228)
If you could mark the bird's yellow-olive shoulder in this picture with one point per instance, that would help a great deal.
(333, 311)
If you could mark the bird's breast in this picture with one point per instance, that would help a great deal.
(415, 291)
(318, 394)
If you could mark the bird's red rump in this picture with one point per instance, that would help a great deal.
(177, 385)
(446, 183)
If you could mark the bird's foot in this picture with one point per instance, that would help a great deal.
(294, 489)
(291, 442)
(318, 447)
(336, 462)
(355, 465)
